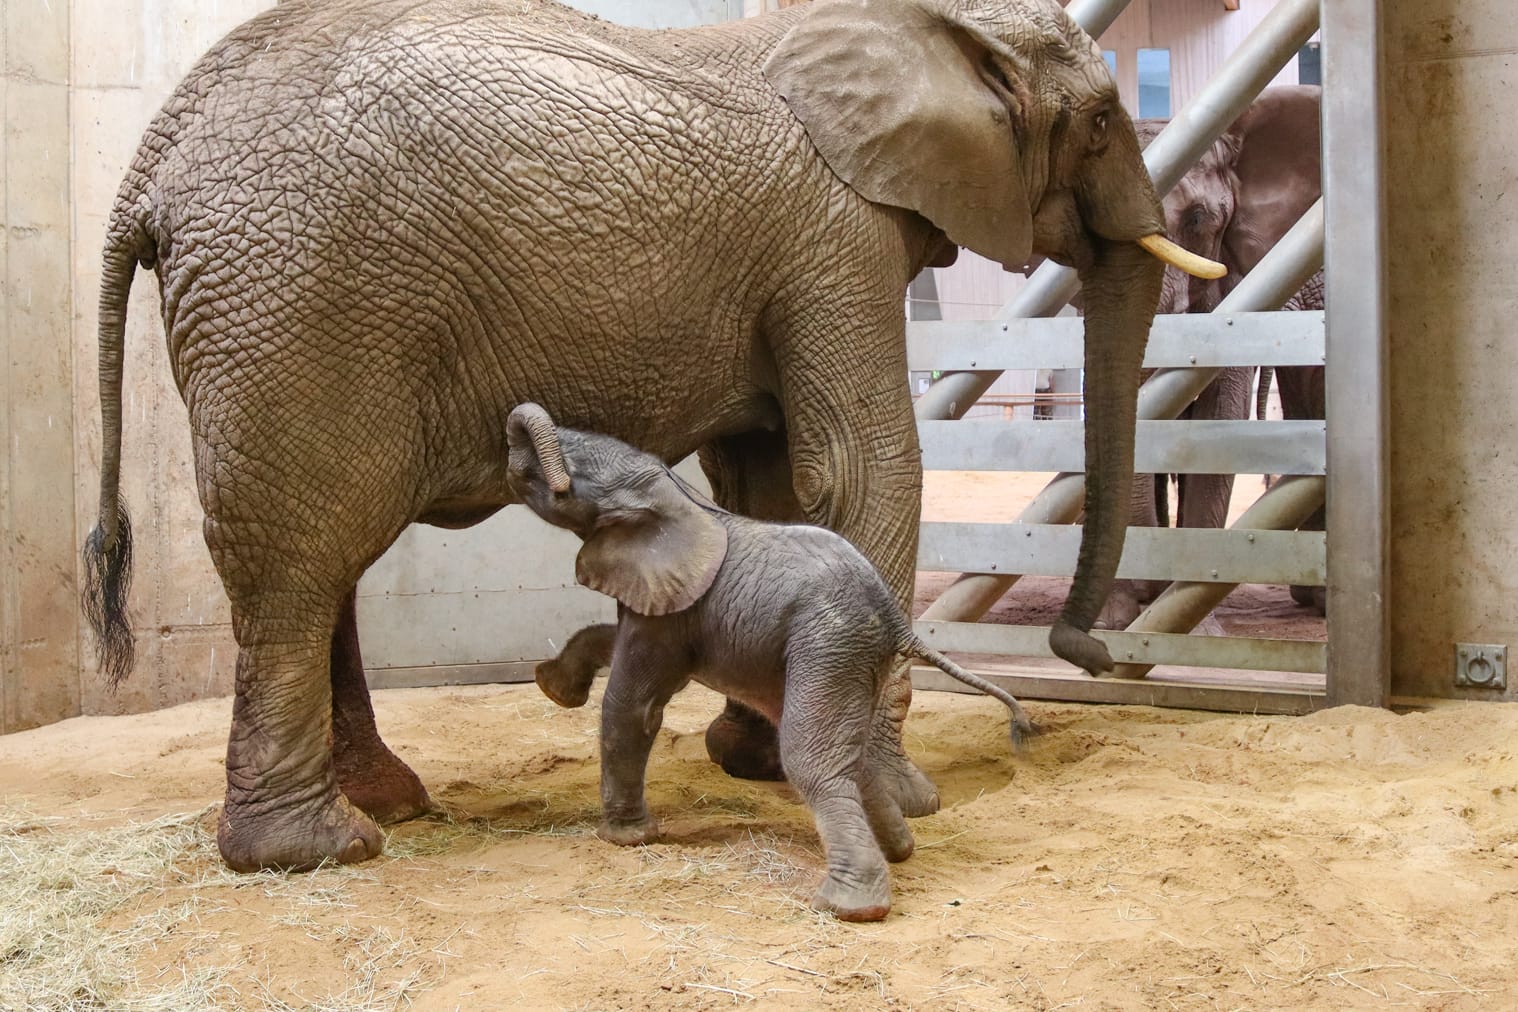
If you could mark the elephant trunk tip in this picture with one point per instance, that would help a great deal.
(1080, 648)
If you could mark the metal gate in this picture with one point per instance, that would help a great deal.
(1263, 545)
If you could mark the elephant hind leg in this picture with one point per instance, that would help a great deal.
(826, 722)
(289, 562)
(368, 773)
(283, 807)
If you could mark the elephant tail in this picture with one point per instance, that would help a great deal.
(1022, 728)
(108, 549)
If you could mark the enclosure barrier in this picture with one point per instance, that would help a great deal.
(1162, 447)
(1208, 563)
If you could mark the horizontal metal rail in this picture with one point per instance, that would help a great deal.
(1263, 697)
(1268, 48)
(1163, 447)
(1149, 553)
(1306, 656)
(1176, 341)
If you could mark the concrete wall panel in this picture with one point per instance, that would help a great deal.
(38, 636)
(1452, 199)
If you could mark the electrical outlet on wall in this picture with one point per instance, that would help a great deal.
(1480, 666)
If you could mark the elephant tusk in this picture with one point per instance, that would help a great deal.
(1183, 259)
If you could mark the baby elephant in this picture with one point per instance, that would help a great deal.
(789, 619)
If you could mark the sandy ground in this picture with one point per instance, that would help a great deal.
(1130, 858)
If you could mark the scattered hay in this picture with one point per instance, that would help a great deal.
(57, 891)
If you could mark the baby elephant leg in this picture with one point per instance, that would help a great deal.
(632, 709)
(823, 732)
(886, 821)
(566, 678)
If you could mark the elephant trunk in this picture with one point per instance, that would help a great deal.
(1122, 287)
(529, 423)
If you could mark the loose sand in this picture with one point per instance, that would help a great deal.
(1130, 858)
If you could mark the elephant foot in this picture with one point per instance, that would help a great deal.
(382, 786)
(566, 679)
(895, 840)
(629, 834)
(1315, 598)
(559, 682)
(253, 837)
(859, 901)
(907, 785)
(744, 744)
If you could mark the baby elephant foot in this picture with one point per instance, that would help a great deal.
(255, 836)
(629, 834)
(914, 794)
(566, 678)
(850, 898)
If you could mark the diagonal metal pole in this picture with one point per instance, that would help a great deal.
(1293, 260)
(1274, 41)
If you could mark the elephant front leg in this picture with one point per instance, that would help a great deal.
(368, 773)
(857, 469)
(632, 711)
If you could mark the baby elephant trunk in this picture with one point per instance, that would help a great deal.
(530, 425)
(1022, 728)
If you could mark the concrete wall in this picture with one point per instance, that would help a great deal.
(37, 583)
(80, 79)
(1450, 74)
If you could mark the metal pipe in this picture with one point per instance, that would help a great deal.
(1274, 41)
(1095, 16)
(1184, 604)
(1275, 279)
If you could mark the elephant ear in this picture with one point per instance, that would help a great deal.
(903, 103)
(656, 558)
(1279, 171)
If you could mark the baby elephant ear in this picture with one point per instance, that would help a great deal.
(658, 558)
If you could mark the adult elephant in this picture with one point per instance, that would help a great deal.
(1240, 198)
(379, 225)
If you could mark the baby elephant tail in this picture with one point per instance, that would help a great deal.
(1022, 727)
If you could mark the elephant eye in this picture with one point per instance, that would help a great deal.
(1099, 130)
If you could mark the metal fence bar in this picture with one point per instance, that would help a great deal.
(1300, 656)
(1211, 446)
(1286, 699)
(1176, 340)
(1277, 277)
(1185, 603)
(1274, 41)
(1359, 640)
(1149, 553)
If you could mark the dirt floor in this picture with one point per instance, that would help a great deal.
(1131, 858)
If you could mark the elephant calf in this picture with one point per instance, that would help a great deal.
(789, 619)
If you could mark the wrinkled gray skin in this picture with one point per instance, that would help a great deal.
(1241, 197)
(788, 618)
(379, 225)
